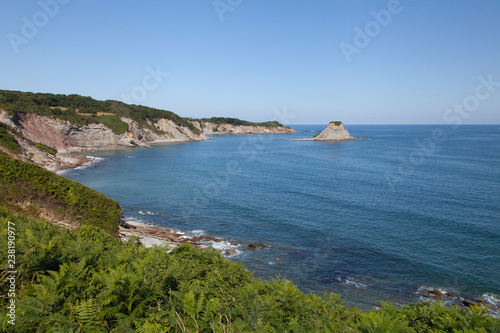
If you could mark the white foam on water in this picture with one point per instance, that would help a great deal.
(350, 281)
(221, 246)
(491, 299)
(93, 160)
(198, 233)
(194, 233)
(148, 213)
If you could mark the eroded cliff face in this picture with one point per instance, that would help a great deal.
(228, 129)
(334, 132)
(67, 137)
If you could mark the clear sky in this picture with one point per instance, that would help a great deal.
(359, 61)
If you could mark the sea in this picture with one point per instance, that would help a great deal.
(411, 209)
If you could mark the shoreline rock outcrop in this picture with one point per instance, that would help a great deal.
(334, 132)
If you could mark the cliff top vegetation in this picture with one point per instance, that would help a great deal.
(83, 110)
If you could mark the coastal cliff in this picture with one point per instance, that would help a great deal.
(32, 130)
(46, 128)
(210, 128)
(67, 137)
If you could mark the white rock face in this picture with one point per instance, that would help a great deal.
(228, 129)
(334, 132)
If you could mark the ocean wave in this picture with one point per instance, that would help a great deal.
(493, 301)
(350, 281)
(226, 247)
(148, 213)
(198, 233)
(194, 233)
(135, 219)
(93, 160)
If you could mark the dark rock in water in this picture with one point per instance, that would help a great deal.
(436, 294)
(281, 260)
(230, 251)
(469, 304)
(252, 246)
(451, 295)
(198, 239)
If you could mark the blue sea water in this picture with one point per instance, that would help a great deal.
(414, 206)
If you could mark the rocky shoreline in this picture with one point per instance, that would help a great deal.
(151, 236)
(426, 294)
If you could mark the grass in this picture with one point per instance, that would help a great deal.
(7, 140)
(50, 150)
(114, 123)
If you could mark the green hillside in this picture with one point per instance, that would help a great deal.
(239, 122)
(30, 190)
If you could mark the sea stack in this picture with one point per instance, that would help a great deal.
(334, 132)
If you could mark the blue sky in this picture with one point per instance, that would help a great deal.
(247, 59)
